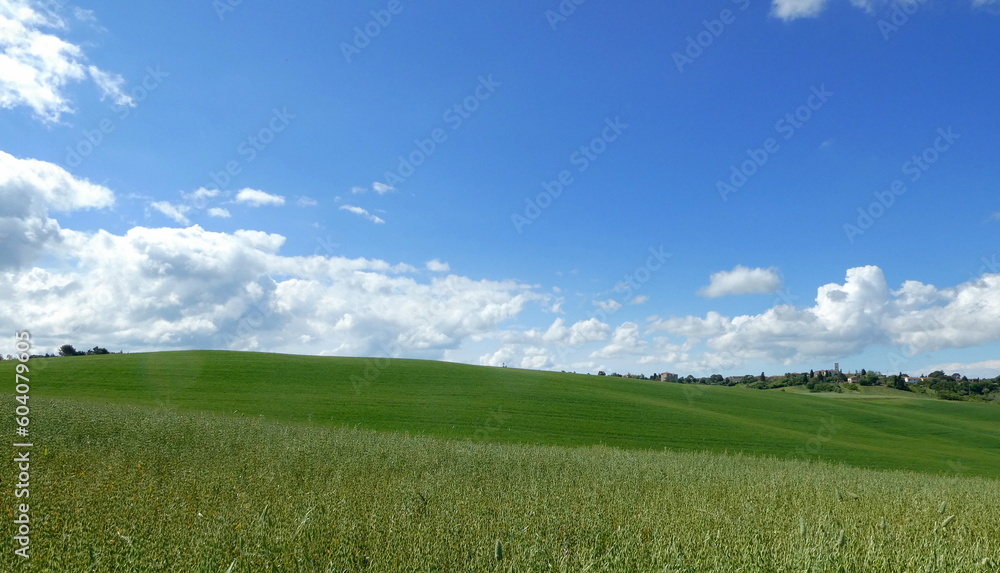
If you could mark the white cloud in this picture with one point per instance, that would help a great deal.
(741, 280)
(257, 198)
(29, 190)
(110, 86)
(582, 332)
(641, 299)
(200, 194)
(219, 212)
(609, 305)
(437, 266)
(792, 9)
(848, 319)
(376, 186)
(36, 64)
(192, 288)
(984, 369)
(626, 341)
(84, 15)
(304, 201)
(363, 212)
(382, 188)
(175, 212)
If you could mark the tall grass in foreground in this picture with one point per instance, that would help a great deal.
(118, 488)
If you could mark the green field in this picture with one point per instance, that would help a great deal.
(532, 407)
(218, 461)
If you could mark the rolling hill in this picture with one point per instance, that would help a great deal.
(532, 407)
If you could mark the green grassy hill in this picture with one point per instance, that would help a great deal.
(518, 406)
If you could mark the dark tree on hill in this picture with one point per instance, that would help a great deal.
(762, 377)
(98, 350)
(67, 350)
(899, 383)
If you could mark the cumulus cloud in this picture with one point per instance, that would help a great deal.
(848, 319)
(984, 369)
(741, 280)
(438, 266)
(304, 201)
(582, 332)
(36, 64)
(626, 341)
(641, 299)
(257, 198)
(362, 212)
(219, 212)
(192, 288)
(29, 190)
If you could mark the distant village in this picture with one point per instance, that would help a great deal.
(952, 386)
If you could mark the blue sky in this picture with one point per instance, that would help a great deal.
(633, 187)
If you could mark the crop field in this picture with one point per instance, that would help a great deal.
(212, 462)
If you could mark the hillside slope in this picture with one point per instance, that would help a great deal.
(519, 406)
